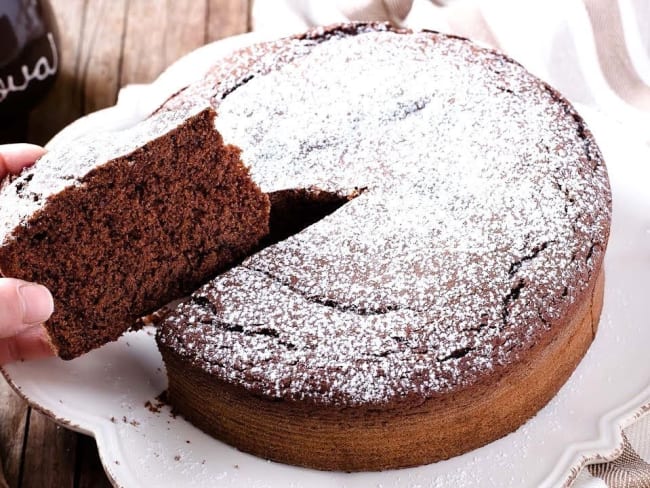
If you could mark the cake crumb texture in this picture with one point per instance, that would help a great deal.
(130, 221)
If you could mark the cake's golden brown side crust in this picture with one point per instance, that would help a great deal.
(363, 439)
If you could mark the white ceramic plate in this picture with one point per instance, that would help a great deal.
(105, 393)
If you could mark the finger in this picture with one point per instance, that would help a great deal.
(22, 305)
(14, 157)
(32, 343)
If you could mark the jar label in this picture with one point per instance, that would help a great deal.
(42, 69)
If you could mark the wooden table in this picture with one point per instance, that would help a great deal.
(105, 44)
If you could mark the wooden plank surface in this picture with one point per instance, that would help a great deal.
(49, 454)
(89, 470)
(104, 45)
(99, 53)
(12, 432)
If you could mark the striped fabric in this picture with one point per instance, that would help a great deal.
(596, 52)
(631, 469)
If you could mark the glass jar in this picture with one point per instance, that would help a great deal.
(29, 62)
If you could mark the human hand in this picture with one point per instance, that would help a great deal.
(15, 157)
(23, 306)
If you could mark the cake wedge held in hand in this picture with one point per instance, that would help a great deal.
(118, 224)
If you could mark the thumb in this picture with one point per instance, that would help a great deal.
(22, 304)
(14, 157)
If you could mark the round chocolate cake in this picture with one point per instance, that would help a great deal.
(451, 278)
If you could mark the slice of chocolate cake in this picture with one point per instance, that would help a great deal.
(121, 223)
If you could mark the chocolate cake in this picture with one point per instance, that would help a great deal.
(450, 287)
(118, 224)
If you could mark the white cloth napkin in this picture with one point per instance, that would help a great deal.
(596, 52)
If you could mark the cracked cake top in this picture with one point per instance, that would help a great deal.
(484, 209)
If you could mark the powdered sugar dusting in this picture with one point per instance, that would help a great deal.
(485, 210)
(65, 167)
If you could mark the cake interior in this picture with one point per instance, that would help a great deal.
(296, 209)
(139, 231)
